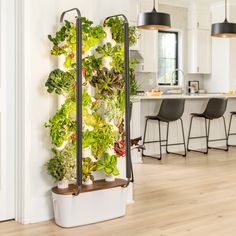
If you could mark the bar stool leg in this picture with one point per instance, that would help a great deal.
(167, 137)
(159, 124)
(189, 137)
(207, 134)
(185, 153)
(167, 144)
(144, 141)
(226, 137)
(230, 123)
(189, 133)
(144, 136)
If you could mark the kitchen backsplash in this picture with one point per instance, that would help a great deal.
(148, 81)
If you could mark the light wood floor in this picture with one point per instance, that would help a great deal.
(175, 197)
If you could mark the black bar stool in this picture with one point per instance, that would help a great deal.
(215, 109)
(170, 110)
(233, 113)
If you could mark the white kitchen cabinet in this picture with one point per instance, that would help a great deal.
(199, 51)
(199, 18)
(148, 43)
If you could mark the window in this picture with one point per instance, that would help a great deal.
(167, 58)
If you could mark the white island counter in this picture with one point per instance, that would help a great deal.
(185, 96)
(149, 105)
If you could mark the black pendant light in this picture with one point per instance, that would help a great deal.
(224, 29)
(153, 20)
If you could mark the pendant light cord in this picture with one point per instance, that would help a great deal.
(154, 5)
(225, 10)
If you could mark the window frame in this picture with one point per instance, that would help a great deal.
(176, 82)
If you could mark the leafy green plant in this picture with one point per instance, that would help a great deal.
(62, 165)
(61, 34)
(106, 50)
(88, 166)
(62, 123)
(64, 41)
(109, 165)
(117, 29)
(91, 64)
(59, 82)
(107, 81)
(101, 137)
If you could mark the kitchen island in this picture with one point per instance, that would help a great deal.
(194, 103)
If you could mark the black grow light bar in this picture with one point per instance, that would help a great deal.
(78, 95)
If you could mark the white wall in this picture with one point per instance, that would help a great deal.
(42, 18)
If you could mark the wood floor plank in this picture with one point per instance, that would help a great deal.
(195, 196)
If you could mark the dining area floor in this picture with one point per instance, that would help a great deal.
(177, 196)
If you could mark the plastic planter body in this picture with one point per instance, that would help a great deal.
(89, 207)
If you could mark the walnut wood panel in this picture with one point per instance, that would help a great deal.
(97, 185)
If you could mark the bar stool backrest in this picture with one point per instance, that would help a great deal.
(215, 108)
(171, 109)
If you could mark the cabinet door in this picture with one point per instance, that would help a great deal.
(199, 18)
(192, 51)
(199, 52)
(148, 43)
(149, 50)
(203, 19)
(204, 52)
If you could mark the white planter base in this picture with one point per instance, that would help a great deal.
(89, 207)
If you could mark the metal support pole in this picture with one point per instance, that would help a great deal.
(78, 96)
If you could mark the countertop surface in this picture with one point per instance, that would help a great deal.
(186, 96)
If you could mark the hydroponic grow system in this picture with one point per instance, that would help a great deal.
(77, 205)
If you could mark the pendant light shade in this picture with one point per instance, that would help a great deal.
(153, 20)
(224, 29)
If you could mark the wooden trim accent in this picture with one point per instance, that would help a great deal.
(97, 185)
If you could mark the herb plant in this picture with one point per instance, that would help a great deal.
(88, 166)
(62, 164)
(109, 165)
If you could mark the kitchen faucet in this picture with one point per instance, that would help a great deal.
(173, 73)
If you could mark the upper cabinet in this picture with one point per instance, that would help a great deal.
(148, 42)
(199, 40)
(199, 18)
(199, 51)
